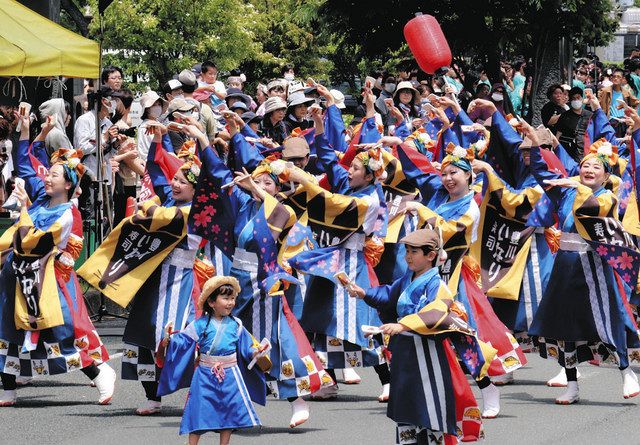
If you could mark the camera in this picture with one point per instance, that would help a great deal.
(129, 132)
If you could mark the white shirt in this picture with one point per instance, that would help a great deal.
(144, 141)
(84, 138)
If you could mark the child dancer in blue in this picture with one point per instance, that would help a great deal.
(221, 385)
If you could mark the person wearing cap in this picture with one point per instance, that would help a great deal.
(203, 112)
(222, 387)
(296, 150)
(151, 105)
(449, 199)
(353, 195)
(585, 318)
(404, 307)
(297, 107)
(171, 90)
(184, 107)
(277, 88)
(272, 125)
(57, 137)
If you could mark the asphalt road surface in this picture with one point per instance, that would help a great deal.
(62, 410)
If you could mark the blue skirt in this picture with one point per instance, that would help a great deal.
(518, 315)
(582, 315)
(421, 392)
(213, 405)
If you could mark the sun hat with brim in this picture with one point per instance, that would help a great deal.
(214, 283)
(274, 103)
(299, 98)
(148, 99)
(405, 85)
(338, 98)
(250, 117)
(235, 95)
(422, 237)
(277, 83)
(295, 147)
(179, 105)
(238, 104)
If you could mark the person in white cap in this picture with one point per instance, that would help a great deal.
(151, 110)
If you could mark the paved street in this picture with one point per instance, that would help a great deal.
(62, 410)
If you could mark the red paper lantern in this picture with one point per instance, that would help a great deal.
(427, 43)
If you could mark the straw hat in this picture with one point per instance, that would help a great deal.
(214, 283)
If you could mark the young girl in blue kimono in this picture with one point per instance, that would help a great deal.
(221, 387)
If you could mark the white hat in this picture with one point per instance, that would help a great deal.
(148, 99)
(273, 104)
(174, 84)
(338, 97)
(295, 86)
(277, 83)
(299, 98)
(406, 85)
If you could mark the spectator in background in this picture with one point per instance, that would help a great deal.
(151, 111)
(203, 112)
(112, 77)
(84, 138)
(210, 82)
(552, 110)
(272, 125)
(609, 98)
(388, 88)
(297, 112)
(572, 125)
(289, 73)
(57, 137)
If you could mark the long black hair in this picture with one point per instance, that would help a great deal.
(225, 289)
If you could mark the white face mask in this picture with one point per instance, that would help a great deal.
(389, 87)
(497, 97)
(114, 106)
(289, 77)
(179, 96)
(155, 111)
(195, 115)
(576, 104)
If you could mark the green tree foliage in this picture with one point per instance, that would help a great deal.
(153, 39)
(489, 29)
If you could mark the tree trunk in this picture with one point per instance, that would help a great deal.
(546, 72)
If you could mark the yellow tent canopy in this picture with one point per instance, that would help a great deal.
(31, 45)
